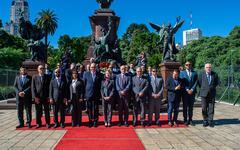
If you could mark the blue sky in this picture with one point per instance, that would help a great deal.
(213, 17)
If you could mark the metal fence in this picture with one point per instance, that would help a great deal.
(228, 89)
(7, 78)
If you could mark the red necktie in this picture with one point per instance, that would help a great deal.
(107, 80)
(123, 81)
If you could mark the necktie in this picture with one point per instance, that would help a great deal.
(42, 78)
(107, 80)
(123, 81)
(208, 78)
(23, 79)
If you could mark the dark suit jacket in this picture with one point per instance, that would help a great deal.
(205, 88)
(172, 94)
(68, 74)
(120, 87)
(190, 83)
(156, 87)
(40, 89)
(23, 87)
(79, 90)
(140, 86)
(107, 90)
(92, 88)
(58, 93)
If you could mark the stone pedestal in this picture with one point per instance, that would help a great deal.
(167, 71)
(32, 67)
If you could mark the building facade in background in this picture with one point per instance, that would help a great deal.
(19, 8)
(190, 35)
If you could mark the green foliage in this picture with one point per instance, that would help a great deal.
(138, 38)
(8, 40)
(54, 56)
(215, 50)
(7, 92)
(12, 58)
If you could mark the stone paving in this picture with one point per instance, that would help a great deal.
(225, 134)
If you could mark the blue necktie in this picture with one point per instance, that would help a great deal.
(23, 79)
(208, 78)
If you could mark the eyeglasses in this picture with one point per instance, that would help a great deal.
(41, 68)
(187, 64)
(154, 71)
(57, 72)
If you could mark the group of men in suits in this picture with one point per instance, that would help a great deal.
(142, 89)
(183, 86)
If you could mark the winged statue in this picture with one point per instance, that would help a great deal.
(166, 34)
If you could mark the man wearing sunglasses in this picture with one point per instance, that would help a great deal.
(190, 79)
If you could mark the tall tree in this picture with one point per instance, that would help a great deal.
(47, 20)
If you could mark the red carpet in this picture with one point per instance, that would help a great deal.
(100, 138)
(163, 120)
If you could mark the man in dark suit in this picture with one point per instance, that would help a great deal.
(132, 70)
(58, 97)
(107, 92)
(156, 90)
(123, 85)
(208, 81)
(175, 88)
(92, 83)
(40, 94)
(140, 85)
(22, 86)
(190, 80)
(76, 98)
(68, 73)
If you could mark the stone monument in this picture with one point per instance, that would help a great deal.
(167, 40)
(105, 44)
(33, 34)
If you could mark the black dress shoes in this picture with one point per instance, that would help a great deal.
(149, 124)
(47, 126)
(90, 124)
(211, 124)
(62, 125)
(55, 126)
(134, 124)
(126, 124)
(205, 124)
(119, 124)
(37, 126)
(29, 126)
(20, 126)
(95, 124)
(191, 123)
(185, 123)
(158, 124)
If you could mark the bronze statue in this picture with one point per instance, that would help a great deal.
(104, 4)
(101, 45)
(166, 34)
(33, 34)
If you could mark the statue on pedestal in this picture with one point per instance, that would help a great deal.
(101, 45)
(33, 34)
(104, 4)
(166, 34)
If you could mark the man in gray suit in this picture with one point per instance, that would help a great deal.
(140, 88)
(156, 90)
(208, 81)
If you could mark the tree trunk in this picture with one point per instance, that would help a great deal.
(46, 47)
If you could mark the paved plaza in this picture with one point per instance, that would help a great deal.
(225, 135)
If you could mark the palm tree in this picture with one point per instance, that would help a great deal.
(47, 21)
